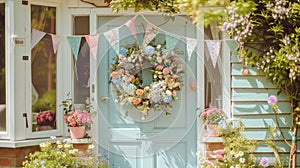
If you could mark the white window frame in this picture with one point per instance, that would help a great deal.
(59, 64)
(69, 30)
(5, 134)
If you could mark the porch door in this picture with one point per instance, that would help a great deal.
(159, 141)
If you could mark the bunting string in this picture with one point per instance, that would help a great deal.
(152, 31)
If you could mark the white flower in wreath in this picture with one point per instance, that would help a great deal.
(168, 92)
(159, 60)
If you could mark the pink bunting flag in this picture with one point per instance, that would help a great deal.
(150, 34)
(36, 36)
(131, 26)
(93, 41)
(214, 50)
(113, 38)
(55, 42)
(190, 44)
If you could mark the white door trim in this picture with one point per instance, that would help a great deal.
(200, 84)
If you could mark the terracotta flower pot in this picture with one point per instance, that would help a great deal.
(211, 130)
(77, 132)
(43, 127)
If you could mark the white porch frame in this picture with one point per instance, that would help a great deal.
(15, 129)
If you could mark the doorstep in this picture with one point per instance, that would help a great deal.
(28, 142)
(82, 143)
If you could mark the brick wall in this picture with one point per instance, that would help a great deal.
(211, 147)
(13, 157)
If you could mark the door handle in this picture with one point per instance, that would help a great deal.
(141, 136)
(145, 136)
(104, 99)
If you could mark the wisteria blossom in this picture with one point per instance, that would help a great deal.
(272, 100)
(264, 162)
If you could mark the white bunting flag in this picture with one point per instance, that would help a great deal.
(36, 36)
(150, 34)
(93, 41)
(131, 26)
(55, 42)
(190, 44)
(113, 38)
(74, 42)
(214, 50)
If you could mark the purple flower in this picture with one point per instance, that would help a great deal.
(149, 50)
(156, 96)
(264, 162)
(116, 80)
(225, 26)
(156, 87)
(167, 99)
(272, 100)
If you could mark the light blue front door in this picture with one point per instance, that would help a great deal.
(159, 141)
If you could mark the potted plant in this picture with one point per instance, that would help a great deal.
(77, 120)
(45, 120)
(211, 117)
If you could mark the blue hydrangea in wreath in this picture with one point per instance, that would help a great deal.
(167, 71)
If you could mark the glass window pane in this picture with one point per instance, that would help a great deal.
(2, 70)
(213, 75)
(43, 70)
(82, 65)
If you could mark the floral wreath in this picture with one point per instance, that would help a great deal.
(126, 76)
